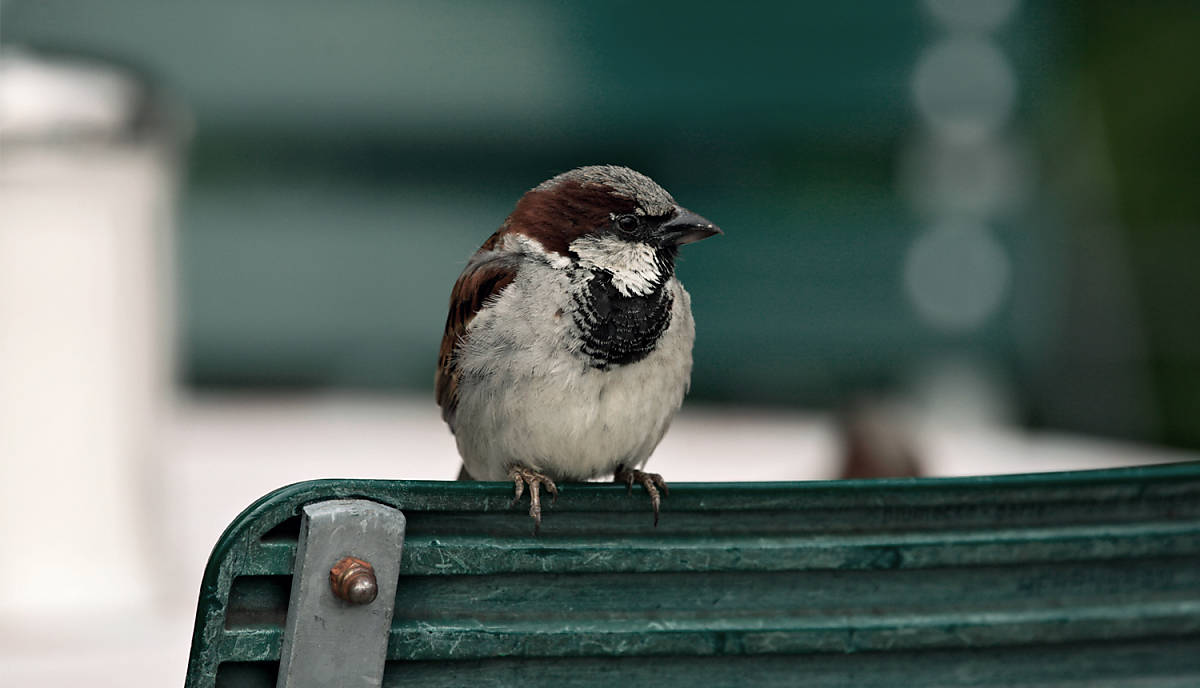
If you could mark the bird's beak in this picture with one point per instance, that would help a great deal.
(686, 227)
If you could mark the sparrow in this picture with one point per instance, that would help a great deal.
(568, 346)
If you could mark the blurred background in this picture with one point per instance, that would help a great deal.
(960, 238)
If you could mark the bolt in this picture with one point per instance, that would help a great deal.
(353, 580)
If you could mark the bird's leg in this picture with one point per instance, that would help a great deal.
(521, 477)
(653, 482)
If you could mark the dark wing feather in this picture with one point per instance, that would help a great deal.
(485, 276)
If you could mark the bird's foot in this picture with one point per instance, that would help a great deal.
(521, 477)
(653, 483)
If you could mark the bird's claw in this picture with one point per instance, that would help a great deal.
(521, 477)
(653, 483)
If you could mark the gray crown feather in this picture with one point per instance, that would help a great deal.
(652, 199)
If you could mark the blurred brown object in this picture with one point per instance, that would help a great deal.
(877, 441)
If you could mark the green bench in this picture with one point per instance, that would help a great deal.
(1070, 579)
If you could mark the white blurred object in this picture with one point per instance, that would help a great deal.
(972, 15)
(942, 178)
(965, 170)
(965, 88)
(963, 392)
(41, 99)
(956, 275)
(87, 179)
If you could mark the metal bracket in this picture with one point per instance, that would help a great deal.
(343, 594)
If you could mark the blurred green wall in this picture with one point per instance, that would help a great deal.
(349, 158)
(1140, 62)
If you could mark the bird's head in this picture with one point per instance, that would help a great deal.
(607, 218)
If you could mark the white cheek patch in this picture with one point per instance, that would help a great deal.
(519, 243)
(634, 266)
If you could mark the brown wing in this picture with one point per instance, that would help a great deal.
(482, 279)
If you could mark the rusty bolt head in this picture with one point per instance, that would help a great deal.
(353, 580)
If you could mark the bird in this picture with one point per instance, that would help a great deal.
(568, 344)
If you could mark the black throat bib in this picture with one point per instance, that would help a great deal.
(619, 329)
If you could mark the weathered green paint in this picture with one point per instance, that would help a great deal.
(1087, 578)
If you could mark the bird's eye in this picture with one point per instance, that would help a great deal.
(627, 223)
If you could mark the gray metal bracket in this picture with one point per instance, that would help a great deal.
(343, 594)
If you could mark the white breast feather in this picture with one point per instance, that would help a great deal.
(526, 396)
